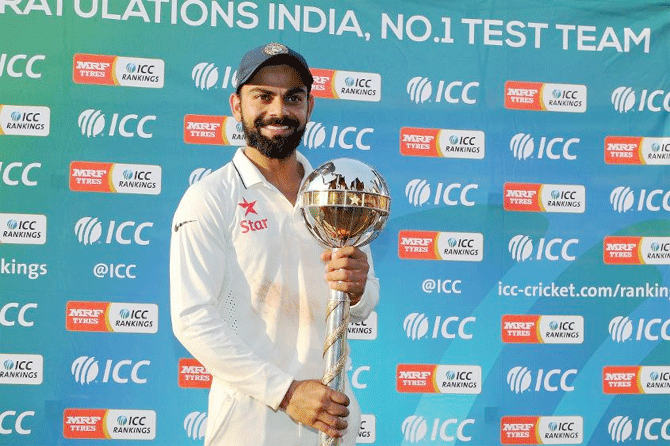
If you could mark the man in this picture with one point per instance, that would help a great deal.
(248, 292)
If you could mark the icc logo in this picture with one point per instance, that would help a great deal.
(317, 135)
(624, 99)
(198, 174)
(20, 178)
(18, 422)
(206, 75)
(521, 248)
(415, 428)
(418, 192)
(622, 328)
(92, 123)
(195, 425)
(420, 90)
(417, 326)
(85, 370)
(523, 147)
(89, 230)
(520, 379)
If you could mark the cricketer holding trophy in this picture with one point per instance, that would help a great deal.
(250, 284)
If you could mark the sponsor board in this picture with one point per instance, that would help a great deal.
(521, 379)
(540, 96)
(109, 424)
(442, 143)
(418, 326)
(417, 428)
(89, 176)
(21, 369)
(121, 71)
(214, 130)
(541, 430)
(622, 428)
(348, 85)
(626, 250)
(25, 120)
(637, 150)
(636, 380)
(111, 317)
(365, 330)
(431, 245)
(192, 374)
(623, 329)
(367, 433)
(532, 197)
(625, 99)
(544, 329)
(420, 90)
(429, 378)
(23, 229)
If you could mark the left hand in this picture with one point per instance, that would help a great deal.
(347, 270)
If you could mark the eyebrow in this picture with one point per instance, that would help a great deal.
(289, 92)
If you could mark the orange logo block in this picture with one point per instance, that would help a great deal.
(416, 378)
(520, 329)
(622, 251)
(623, 150)
(419, 245)
(621, 380)
(419, 142)
(192, 374)
(84, 424)
(518, 430)
(523, 197)
(523, 95)
(87, 316)
(94, 69)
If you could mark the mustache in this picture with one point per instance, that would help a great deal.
(290, 122)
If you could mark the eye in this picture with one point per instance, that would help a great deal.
(294, 99)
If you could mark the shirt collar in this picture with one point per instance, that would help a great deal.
(249, 173)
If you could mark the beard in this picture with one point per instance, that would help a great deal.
(277, 147)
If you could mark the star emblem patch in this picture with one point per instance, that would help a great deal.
(248, 207)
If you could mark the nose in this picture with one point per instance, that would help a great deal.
(276, 108)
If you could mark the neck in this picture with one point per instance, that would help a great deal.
(285, 174)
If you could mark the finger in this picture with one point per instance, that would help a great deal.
(339, 398)
(328, 430)
(349, 251)
(335, 422)
(326, 255)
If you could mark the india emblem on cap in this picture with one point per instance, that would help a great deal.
(274, 48)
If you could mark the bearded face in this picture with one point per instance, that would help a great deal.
(277, 146)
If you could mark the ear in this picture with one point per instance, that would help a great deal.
(236, 106)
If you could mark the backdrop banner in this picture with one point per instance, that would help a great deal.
(525, 278)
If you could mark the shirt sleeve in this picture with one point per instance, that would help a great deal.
(198, 268)
(370, 297)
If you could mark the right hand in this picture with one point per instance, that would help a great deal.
(314, 404)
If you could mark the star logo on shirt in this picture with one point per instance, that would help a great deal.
(248, 207)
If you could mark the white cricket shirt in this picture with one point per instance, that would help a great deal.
(247, 298)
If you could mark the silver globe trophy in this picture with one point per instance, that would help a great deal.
(344, 203)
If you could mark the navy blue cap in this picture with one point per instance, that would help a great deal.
(272, 54)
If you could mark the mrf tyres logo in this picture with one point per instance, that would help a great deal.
(625, 99)
(442, 143)
(118, 70)
(623, 199)
(93, 123)
(523, 248)
(320, 136)
(622, 380)
(213, 130)
(113, 317)
(523, 147)
(637, 150)
(555, 198)
(420, 91)
(419, 192)
(25, 120)
(418, 429)
(451, 246)
(449, 379)
(623, 428)
(23, 229)
(636, 250)
(539, 96)
(109, 424)
(541, 430)
(90, 230)
(348, 85)
(625, 329)
(87, 176)
(21, 369)
(542, 329)
(192, 374)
